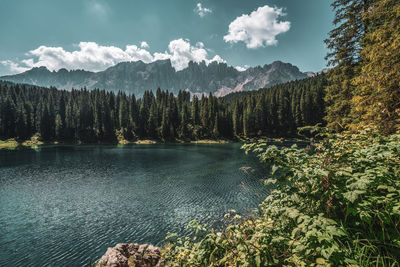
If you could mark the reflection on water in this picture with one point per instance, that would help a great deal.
(63, 205)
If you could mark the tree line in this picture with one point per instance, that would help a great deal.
(102, 116)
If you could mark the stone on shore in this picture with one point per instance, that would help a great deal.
(130, 254)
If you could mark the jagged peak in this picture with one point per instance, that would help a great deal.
(138, 76)
(41, 68)
(278, 62)
(141, 63)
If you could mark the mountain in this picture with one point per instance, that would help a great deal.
(313, 74)
(137, 77)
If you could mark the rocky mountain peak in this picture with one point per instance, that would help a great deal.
(136, 77)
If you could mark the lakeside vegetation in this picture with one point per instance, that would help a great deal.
(337, 202)
(8, 144)
(12, 144)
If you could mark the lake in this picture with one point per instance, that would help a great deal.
(63, 205)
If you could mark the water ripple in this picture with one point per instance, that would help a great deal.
(65, 205)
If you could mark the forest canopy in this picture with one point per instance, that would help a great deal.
(101, 116)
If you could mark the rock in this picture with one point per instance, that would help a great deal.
(245, 169)
(138, 77)
(130, 254)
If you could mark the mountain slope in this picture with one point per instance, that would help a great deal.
(137, 77)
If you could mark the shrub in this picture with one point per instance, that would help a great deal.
(336, 202)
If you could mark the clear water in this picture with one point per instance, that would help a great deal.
(64, 205)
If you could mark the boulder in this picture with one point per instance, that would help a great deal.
(131, 254)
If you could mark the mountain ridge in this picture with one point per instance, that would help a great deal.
(137, 77)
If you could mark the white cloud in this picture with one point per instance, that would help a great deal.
(94, 57)
(202, 11)
(259, 29)
(217, 58)
(90, 56)
(14, 67)
(240, 68)
(181, 52)
(144, 45)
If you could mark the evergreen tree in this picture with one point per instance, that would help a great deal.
(377, 100)
(59, 127)
(195, 111)
(21, 123)
(344, 42)
(216, 127)
(236, 119)
(164, 129)
(153, 119)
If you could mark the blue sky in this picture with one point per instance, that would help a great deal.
(95, 34)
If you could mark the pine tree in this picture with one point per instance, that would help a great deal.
(9, 113)
(152, 122)
(236, 119)
(59, 127)
(45, 124)
(184, 122)
(377, 100)
(195, 111)
(204, 112)
(259, 116)
(216, 127)
(133, 116)
(21, 123)
(164, 129)
(344, 42)
(123, 112)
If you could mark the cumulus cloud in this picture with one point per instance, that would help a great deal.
(181, 52)
(259, 29)
(90, 56)
(94, 57)
(202, 11)
(144, 45)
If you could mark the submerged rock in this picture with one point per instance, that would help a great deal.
(130, 254)
(246, 169)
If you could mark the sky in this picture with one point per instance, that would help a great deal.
(96, 34)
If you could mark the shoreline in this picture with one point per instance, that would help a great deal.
(13, 144)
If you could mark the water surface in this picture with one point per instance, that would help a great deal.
(62, 205)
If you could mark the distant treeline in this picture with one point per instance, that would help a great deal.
(98, 115)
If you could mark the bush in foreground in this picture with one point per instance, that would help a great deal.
(337, 203)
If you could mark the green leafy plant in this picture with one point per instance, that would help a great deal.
(336, 202)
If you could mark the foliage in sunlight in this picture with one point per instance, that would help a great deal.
(337, 202)
(377, 100)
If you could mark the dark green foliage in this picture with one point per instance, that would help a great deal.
(335, 204)
(345, 42)
(100, 116)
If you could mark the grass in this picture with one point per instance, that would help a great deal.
(145, 142)
(208, 141)
(9, 144)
